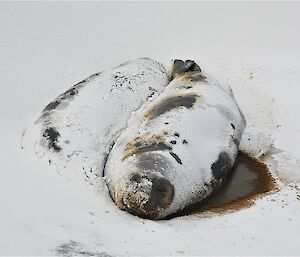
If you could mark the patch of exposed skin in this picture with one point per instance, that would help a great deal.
(153, 161)
(142, 145)
(175, 156)
(221, 167)
(146, 203)
(51, 106)
(66, 95)
(52, 135)
(69, 94)
(162, 194)
(236, 142)
(170, 103)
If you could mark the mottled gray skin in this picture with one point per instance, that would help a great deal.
(178, 149)
(149, 192)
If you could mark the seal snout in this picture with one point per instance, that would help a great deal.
(147, 195)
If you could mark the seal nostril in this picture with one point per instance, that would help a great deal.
(146, 195)
(162, 193)
(136, 178)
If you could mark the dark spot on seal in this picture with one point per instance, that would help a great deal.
(137, 144)
(72, 91)
(162, 194)
(149, 96)
(176, 134)
(170, 103)
(173, 142)
(136, 178)
(106, 158)
(221, 167)
(236, 142)
(153, 161)
(232, 125)
(52, 135)
(184, 141)
(154, 147)
(82, 82)
(249, 180)
(144, 147)
(51, 106)
(175, 156)
(166, 123)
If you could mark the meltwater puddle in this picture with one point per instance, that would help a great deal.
(249, 180)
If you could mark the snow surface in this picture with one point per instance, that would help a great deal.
(48, 47)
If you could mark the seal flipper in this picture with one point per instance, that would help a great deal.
(180, 67)
(192, 66)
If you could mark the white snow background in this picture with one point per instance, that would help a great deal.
(45, 48)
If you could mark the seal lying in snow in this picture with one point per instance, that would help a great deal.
(76, 130)
(178, 148)
(175, 143)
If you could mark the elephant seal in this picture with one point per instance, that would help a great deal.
(76, 130)
(178, 148)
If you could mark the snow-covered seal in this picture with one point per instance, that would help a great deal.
(178, 148)
(76, 130)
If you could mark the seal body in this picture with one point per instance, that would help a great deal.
(178, 148)
(76, 130)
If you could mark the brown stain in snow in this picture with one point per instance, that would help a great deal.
(249, 180)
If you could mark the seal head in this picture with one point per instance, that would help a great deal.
(144, 194)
